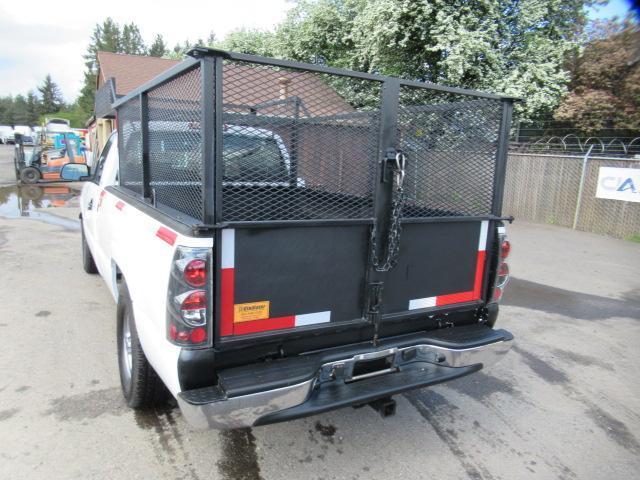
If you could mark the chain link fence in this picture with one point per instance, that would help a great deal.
(547, 189)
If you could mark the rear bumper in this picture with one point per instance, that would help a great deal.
(336, 384)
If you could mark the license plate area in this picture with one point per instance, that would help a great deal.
(372, 367)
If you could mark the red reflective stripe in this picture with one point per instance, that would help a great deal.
(254, 326)
(227, 285)
(167, 235)
(455, 298)
(120, 205)
(477, 284)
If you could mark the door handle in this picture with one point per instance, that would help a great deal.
(90, 205)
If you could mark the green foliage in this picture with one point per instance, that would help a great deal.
(516, 47)
(255, 42)
(158, 48)
(51, 98)
(634, 238)
(131, 41)
(108, 36)
(74, 113)
(605, 86)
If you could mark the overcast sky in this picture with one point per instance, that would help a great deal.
(39, 36)
(43, 36)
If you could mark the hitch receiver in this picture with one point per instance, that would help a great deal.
(384, 406)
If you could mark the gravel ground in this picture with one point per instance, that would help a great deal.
(565, 403)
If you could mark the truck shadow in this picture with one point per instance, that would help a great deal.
(582, 306)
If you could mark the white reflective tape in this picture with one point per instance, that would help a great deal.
(482, 242)
(422, 303)
(228, 248)
(502, 230)
(313, 318)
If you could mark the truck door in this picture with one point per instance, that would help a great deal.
(92, 203)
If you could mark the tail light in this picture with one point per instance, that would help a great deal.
(189, 298)
(502, 269)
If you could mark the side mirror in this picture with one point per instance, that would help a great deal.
(75, 171)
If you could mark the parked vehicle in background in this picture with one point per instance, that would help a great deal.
(277, 251)
(6, 133)
(43, 164)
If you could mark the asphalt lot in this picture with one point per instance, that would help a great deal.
(565, 403)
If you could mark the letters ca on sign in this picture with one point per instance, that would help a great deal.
(619, 184)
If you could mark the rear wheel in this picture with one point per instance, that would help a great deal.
(87, 258)
(141, 386)
(29, 175)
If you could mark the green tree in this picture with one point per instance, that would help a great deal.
(605, 85)
(33, 108)
(514, 47)
(106, 38)
(254, 42)
(180, 50)
(131, 40)
(51, 96)
(158, 47)
(19, 111)
(211, 39)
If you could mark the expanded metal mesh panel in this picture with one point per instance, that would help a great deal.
(450, 142)
(130, 146)
(175, 144)
(296, 145)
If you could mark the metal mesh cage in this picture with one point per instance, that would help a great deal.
(451, 142)
(130, 146)
(294, 148)
(305, 143)
(175, 144)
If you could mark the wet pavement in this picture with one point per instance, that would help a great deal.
(564, 404)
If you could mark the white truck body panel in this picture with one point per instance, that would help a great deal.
(123, 238)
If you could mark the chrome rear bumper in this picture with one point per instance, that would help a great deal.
(211, 408)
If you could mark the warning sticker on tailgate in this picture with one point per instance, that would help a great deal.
(245, 312)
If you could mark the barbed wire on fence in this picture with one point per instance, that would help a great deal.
(573, 144)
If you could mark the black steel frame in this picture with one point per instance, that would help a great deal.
(210, 62)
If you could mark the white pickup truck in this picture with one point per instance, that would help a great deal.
(247, 269)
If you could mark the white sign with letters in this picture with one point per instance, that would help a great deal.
(619, 184)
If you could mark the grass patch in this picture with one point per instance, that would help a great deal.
(634, 238)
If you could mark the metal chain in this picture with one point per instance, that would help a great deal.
(395, 221)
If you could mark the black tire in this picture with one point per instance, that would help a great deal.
(142, 388)
(87, 258)
(29, 175)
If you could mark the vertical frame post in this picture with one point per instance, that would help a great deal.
(382, 199)
(388, 126)
(501, 157)
(583, 177)
(293, 154)
(209, 131)
(144, 133)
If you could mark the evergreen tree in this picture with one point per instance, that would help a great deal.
(131, 41)
(19, 111)
(33, 108)
(158, 47)
(51, 96)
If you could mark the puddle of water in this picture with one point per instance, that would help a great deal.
(39, 202)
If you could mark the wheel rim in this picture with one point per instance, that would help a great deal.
(127, 357)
